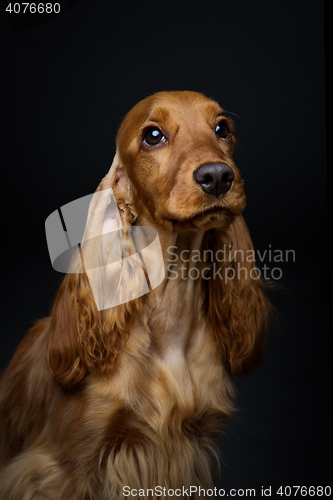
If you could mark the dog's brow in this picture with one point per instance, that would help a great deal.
(159, 115)
(214, 109)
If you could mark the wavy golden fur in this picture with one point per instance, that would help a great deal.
(137, 394)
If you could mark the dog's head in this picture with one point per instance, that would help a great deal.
(173, 171)
(174, 165)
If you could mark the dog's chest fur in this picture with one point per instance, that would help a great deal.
(172, 376)
(172, 365)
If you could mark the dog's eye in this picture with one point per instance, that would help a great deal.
(222, 130)
(153, 136)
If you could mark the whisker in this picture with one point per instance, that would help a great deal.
(231, 113)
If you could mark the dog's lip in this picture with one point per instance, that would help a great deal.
(217, 209)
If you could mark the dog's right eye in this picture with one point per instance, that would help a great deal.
(153, 136)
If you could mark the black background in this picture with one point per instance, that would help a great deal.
(66, 85)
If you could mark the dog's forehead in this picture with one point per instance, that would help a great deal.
(167, 109)
(169, 106)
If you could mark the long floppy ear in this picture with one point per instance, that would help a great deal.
(237, 308)
(118, 181)
(85, 336)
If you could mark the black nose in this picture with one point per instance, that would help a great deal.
(214, 178)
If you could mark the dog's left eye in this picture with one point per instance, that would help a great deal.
(222, 130)
(153, 136)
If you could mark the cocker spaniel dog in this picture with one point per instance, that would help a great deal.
(101, 403)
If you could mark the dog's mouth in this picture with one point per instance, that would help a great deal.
(217, 210)
(207, 218)
(211, 217)
(221, 211)
(207, 215)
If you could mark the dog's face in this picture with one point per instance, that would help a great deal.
(176, 149)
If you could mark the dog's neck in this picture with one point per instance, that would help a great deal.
(177, 301)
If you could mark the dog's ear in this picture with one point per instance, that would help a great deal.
(237, 308)
(85, 336)
(117, 179)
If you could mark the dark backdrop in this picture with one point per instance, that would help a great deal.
(66, 85)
